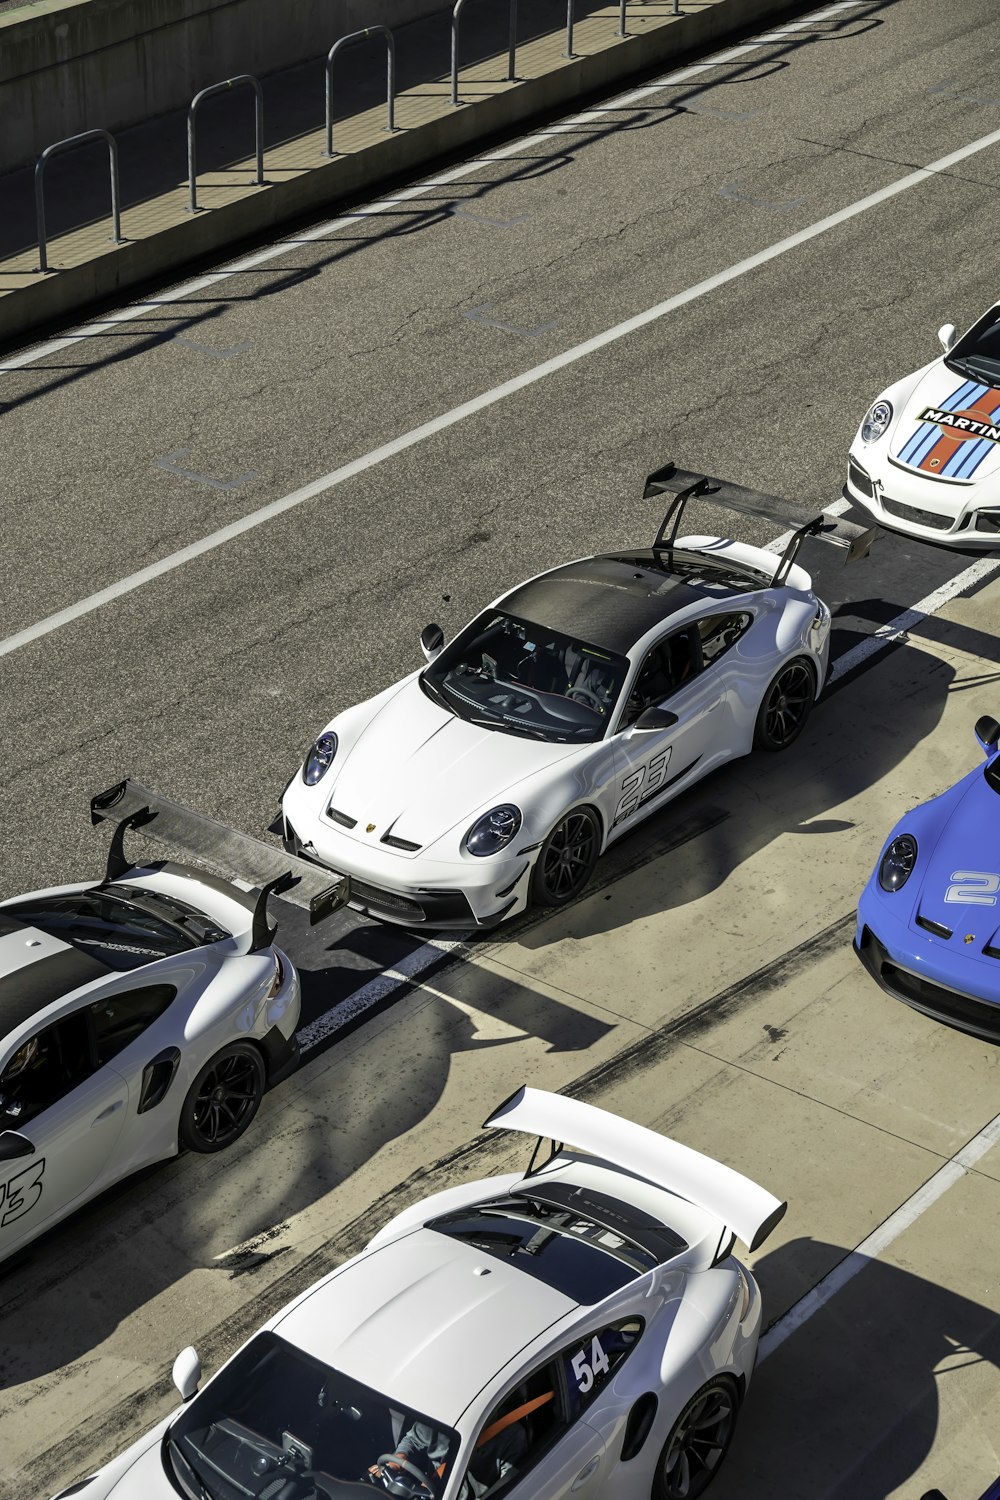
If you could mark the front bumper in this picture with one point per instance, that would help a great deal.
(901, 502)
(412, 893)
(927, 992)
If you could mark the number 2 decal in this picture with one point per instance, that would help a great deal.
(585, 1372)
(973, 888)
(641, 784)
(21, 1192)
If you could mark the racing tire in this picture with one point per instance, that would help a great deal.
(223, 1099)
(566, 859)
(785, 706)
(698, 1443)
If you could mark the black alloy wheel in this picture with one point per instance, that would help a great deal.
(566, 858)
(785, 706)
(693, 1453)
(223, 1099)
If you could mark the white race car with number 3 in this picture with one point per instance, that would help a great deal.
(572, 707)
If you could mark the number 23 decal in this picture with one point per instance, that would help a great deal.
(586, 1371)
(21, 1192)
(641, 784)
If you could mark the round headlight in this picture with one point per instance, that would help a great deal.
(897, 862)
(319, 759)
(876, 422)
(494, 831)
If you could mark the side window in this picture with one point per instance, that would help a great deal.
(516, 1433)
(119, 1019)
(667, 667)
(719, 632)
(590, 1364)
(44, 1070)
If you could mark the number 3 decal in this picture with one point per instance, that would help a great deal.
(585, 1373)
(973, 888)
(641, 784)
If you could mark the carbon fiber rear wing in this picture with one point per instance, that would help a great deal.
(685, 486)
(237, 855)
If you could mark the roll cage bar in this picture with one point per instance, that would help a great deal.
(239, 856)
(685, 485)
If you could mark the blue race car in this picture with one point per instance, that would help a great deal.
(993, 1493)
(929, 918)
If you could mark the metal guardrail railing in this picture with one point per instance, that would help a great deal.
(220, 88)
(248, 78)
(456, 17)
(75, 140)
(390, 82)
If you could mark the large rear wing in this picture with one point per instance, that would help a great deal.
(685, 486)
(237, 855)
(751, 1212)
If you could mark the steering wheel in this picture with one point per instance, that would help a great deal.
(585, 695)
(414, 1486)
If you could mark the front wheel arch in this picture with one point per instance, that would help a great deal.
(540, 886)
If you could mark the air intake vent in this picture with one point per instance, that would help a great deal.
(938, 928)
(341, 818)
(395, 843)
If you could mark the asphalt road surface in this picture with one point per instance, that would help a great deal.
(450, 392)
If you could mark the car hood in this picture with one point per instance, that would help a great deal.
(416, 770)
(959, 865)
(962, 440)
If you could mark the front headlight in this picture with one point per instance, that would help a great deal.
(876, 422)
(319, 759)
(494, 831)
(897, 863)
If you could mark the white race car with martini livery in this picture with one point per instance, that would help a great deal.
(926, 458)
(574, 706)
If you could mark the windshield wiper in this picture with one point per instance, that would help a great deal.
(435, 693)
(180, 1462)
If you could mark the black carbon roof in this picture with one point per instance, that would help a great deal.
(26, 991)
(614, 600)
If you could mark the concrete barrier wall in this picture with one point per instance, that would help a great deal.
(71, 65)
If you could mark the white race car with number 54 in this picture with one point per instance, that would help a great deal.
(571, 708)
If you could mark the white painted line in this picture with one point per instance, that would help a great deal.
(322, 231)
(487, 399)
(984, 567)
(377, 989)
(895, 1225)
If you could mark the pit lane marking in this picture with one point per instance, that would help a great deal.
(498, 154)
(889, 1230)
(486, 399)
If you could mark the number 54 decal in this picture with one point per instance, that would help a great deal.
(21, 1192)
(586, 1371)
(641, 784)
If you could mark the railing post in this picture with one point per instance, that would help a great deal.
(390, 78)
(455, 17)
(512, 43)
(75, 140)
(569, 27)
(621, 19)
(258, 116)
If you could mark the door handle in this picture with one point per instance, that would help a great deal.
(105, 1113)
(585, 1472)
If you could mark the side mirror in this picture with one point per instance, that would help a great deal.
(987, 733)
(187, 1372)
(654, 718)
(13, 1145)
(948, 337)
(431, 641)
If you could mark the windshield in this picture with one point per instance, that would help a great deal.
(978, 352)
(523, 679)
(125, 927)
(280, 1425)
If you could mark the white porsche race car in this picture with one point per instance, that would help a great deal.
(140, 1014)
(570, 709)
(926, 459)
(583, 1329)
